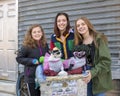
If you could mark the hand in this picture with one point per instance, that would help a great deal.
(88, 78)
(35, 61)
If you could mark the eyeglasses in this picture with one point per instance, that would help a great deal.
(79, 54)
(56, 52)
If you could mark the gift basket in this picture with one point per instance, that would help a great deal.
(71, 85)
(63, 77)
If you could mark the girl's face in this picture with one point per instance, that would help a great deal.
(37, 33)
(61, 22)
(82, 27)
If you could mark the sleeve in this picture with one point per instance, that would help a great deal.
(47, 48)
(22, 57)
(51, 43)
(103, 62)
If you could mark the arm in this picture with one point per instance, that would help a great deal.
(47, 48)
(22, 57)
(102, 59)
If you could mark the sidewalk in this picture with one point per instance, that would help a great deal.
(7, 88)
(5, 94)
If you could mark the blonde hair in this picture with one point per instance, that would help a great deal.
(78, 37)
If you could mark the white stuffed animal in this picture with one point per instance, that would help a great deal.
(55, 62)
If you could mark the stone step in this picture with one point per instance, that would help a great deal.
(7, 87)
(5, 94)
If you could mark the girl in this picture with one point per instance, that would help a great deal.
(63, 35)
(99, 78)
(34, 46)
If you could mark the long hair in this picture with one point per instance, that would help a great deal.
(30, 42)
(92, 32)
(56, 30)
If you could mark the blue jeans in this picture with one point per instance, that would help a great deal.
(89, 85)
(89, 89)
(100, 94)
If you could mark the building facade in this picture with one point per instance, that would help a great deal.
(104, 14)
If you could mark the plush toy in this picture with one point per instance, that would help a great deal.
(62, 72)
(74, 64)
(53, 64)
(41, 59)
(77, 64)
(40, 77)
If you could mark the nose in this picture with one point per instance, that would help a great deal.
(81, 26)
(61, 22)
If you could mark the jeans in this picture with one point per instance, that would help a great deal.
(89, 89)
(89, 85)
(100, 94)
(32, 91)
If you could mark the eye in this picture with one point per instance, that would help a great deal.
(83, 52)
(58, 21)
(33, 32)
(79, 54)
(78, 25)
(64, 20)
(39, 31)
(75, 54)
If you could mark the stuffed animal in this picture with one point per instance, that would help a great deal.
(40, 77)
(77, 64)
(53, 64)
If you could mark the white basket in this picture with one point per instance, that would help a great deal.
(71, 85)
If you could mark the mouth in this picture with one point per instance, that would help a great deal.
(62, 26)
(81, 29)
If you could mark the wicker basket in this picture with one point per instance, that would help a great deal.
(71, 85)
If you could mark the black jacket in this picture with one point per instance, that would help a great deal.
(25, 57)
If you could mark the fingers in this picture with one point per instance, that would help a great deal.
(88, 78)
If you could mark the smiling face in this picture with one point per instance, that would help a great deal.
(62, 23)
(82, 27)
(37, 33)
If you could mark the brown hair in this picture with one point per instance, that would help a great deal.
(30, 42)
(56, 30)
(92, 32)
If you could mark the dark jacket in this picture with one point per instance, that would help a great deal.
(101, 70)
(25, 57)
(65, 46)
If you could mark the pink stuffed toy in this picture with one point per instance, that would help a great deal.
(52, 62)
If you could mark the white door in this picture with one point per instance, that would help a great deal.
(8, 39)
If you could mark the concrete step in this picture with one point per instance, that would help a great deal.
(5, 94)
(7, 87)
